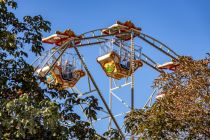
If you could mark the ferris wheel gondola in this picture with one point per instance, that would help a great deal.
(65, 72)
(60, 68)
(61, 37)
(120, 27)
(115, 66)
(169, 65)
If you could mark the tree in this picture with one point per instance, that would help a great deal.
(27, 110)
(184, 112)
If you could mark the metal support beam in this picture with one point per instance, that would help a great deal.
(110, 102)
(155, 46)
(51, 55)
(144, 61)
(64, 49)
(132, 76)
(162, 44)
(99, 92)
(132, 71)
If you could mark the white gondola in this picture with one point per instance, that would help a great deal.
(42, 71)
(160, 96)
(169, 65)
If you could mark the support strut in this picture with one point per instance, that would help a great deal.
(99, 92)
(132, 72)
(155, 46)
(132, 77)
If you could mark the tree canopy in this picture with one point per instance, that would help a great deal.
(184, 111)
(28, 110)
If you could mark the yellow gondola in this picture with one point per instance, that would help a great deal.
(55, 77)
(113, 68)
(58, 74)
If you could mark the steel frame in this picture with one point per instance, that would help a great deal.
(96, 37)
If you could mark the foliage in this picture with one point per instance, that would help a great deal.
(113, 134)
(28, 111)
(184, 112)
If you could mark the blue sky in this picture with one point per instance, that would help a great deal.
(184, 25)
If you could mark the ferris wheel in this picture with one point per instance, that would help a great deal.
(120, 56)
